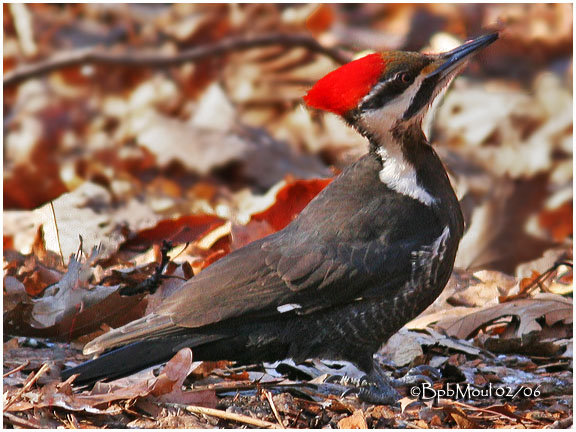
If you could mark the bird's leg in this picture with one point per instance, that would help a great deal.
(378, 388)
(375, 387)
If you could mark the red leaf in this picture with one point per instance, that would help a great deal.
(558, 222)
(214, 256)
(8, 242)
(290, 201)
(321, 19)
(181, 230)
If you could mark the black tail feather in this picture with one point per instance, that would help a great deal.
(122, 362)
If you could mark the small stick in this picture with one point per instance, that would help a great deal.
(57, 233)
(98, 55)
(561, 424)
(30, 382)
(16, 369)
(233, 417)
(180, 253)
(18, 421)
(516, 417)
(24, 28)
(273, 407)
(566, 362)
(72, 421)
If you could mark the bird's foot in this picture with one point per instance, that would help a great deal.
(378, 388)
(373, 389)
(417, 375)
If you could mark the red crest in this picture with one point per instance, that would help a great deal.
(342, 89)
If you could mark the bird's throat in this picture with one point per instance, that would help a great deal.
(398, 172)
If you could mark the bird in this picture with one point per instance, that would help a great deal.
(369, 253)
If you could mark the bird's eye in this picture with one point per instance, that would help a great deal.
(405, 77)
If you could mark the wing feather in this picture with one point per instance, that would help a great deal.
(239, 287)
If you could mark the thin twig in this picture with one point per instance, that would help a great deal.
(57, 233)
(72, 421)
(180, 253)
(233, 417)
(16, 369)
(18, 421)
(564, 362)
(24, 28)
(540, 279)
(516, 417)
(30, 382)
(99, 55)
(273, 407)
(565, 423)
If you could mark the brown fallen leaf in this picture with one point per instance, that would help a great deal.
(87, 211)
(14, 293)
(405, 402)
(35, 273)
(113, 311)
(168, 386)
(461, 418)
(164, 388)
(262, 159)
(497, 238)
(69, 295)
(355, 421)
(406, 346)
(61, 395)
(552, 307)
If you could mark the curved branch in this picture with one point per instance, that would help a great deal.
(98, 55)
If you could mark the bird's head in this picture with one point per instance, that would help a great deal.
(380, 92)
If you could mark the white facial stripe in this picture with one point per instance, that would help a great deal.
(376, 90)
(379, 122)
(399, 174)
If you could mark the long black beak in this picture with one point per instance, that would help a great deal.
(444, 66)
(452, 59)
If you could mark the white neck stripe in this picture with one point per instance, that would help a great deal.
(399, 175)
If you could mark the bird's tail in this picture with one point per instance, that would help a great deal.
(122, 361)
(143, 343)
(142, 354)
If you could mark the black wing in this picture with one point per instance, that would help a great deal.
(258, 279)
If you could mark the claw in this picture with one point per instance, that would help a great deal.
(379, 394)
(370, 388)
(346, 380)
(378, 388)
(411, 380)
(428, 370)
(351, 390)
(416, 376)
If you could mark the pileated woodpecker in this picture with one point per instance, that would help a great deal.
(369, 253)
